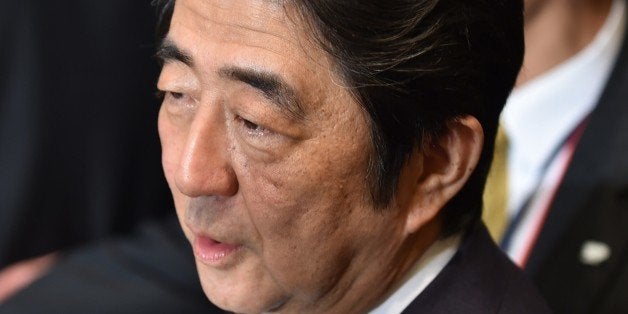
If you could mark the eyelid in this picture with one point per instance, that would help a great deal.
(262, 131)
(175, 87)
(176, 77)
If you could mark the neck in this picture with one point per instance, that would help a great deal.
(556, 30)
(375, 280)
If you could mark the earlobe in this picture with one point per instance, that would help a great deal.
(446, 165)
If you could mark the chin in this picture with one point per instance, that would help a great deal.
(238, 296)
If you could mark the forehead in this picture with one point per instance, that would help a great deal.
(248, 24)
(233, 19)
(264, 35)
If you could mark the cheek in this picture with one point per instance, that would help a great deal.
(308, 192)
(312, 219)
(285, 196)
(302, 211)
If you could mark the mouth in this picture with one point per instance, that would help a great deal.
(212, 252)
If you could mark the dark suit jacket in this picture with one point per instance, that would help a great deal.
(479, 279)
(591, 204)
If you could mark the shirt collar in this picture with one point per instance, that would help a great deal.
(542, 113)
(421, 275)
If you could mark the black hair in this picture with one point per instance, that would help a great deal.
(414, 65)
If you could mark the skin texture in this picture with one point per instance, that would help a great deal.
(556, 30)
(283, 182)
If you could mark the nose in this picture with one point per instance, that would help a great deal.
(205, 168)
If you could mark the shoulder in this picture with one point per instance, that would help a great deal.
(479, 279)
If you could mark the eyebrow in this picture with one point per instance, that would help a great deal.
(270, 84)
(168, 51)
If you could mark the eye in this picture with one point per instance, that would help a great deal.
(176, 103)
(161, 94)
(175, 95)
(250, 125)
(165, 95)
(253, 128)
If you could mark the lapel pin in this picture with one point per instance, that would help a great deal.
(594, 253)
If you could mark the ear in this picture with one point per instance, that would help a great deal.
(436, 174)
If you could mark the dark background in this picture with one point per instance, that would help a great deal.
(79, 151)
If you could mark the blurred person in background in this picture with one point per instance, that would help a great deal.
(79, 165)
(567, 128)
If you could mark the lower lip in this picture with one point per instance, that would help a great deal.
(211, 252)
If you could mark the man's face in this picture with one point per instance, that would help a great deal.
(266, 155)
